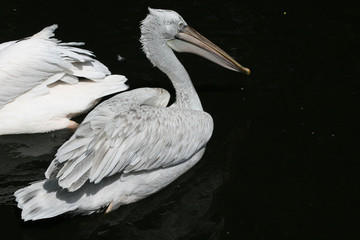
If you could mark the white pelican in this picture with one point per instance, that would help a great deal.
(39, 85)
(132, 145)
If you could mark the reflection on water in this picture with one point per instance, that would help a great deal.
(23, 158)
(34, 145)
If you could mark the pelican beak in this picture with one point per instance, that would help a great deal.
(189, 40)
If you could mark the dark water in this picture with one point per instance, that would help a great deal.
(283, 162)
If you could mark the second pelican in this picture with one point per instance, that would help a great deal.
(45, 82)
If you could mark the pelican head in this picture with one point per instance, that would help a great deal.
(167, 28)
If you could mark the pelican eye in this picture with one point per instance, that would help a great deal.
(181, 25)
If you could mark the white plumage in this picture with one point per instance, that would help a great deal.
(131, 145)
(40, 87)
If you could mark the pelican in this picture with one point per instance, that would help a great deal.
(132, 145)
(40, 88)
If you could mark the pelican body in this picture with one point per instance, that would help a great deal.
(44, 83)
(132, 145)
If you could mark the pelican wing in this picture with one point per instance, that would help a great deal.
(39, 59)
(128, 133)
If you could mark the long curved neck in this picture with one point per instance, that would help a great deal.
(164, 58)
(186, 95)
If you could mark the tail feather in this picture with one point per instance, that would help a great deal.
(112, 84)
(46, 199)
(39, 201)
(47, 32)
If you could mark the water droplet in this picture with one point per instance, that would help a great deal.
(119, 58)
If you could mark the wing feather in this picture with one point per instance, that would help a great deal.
(41, 59)
(123, 135)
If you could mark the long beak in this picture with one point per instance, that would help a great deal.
(189, 40)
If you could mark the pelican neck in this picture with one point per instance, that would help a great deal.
(186, 95)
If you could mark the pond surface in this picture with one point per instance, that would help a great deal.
(283, 161)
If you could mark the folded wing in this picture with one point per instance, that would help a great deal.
(128, 133)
